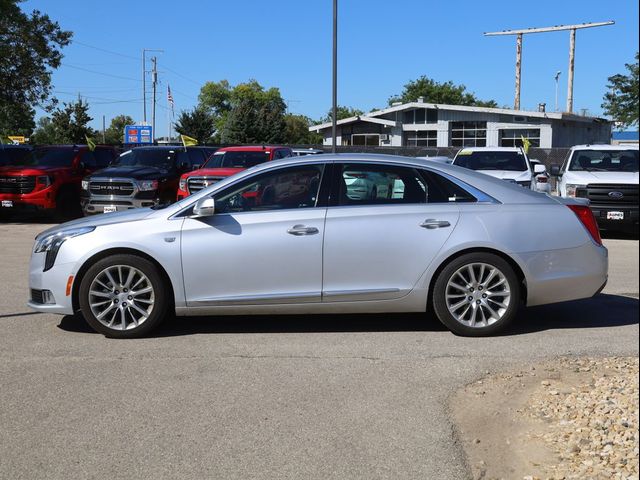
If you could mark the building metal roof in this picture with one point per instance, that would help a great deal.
(372, 116)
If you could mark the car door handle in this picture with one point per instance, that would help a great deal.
(299, 230)
(431, 223)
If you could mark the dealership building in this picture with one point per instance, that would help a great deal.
(420, 124)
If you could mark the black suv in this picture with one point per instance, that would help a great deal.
(140, 177)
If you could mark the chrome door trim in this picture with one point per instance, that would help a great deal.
(356, 295)
(270, 298)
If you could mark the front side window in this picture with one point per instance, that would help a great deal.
(604, 161)
(368, 184)
(286, 188)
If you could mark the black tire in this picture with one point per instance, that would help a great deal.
(160, 293)
(439, 300)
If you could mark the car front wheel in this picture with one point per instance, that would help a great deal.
(123, 296)
(477, 294)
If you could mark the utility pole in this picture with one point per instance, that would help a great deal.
(334, 103)
(154, 80)
(144, 81)
(104, 138)
(572, 47)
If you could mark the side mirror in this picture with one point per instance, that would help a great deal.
(205, 207)
(538, 168)
(555, 170)
(196, 166)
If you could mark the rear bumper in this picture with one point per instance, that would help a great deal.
(562, 275)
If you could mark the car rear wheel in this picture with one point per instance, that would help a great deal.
(477, 294)
(123, 296)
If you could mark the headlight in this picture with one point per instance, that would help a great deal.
(147, 185)
(85, 184)
(182, 185)
(571, 189)
(51, 243)
(44, 180)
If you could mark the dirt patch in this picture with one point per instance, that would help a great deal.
(563, 419)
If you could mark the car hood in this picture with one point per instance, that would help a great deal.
(11, 171)
(133, 215)
(601, 177)
(215, 172)
(136, 173)
(508, 174)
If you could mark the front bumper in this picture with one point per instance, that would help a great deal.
(96, 204)
(55, 280)
(628, 222)
(35, 201)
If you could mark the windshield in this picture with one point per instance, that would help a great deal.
(11, 156)
(604, 161)
(237, 159)
(158, 158)
(479, 160)
(48, 157)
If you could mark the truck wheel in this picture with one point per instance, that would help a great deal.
(123, 296)
(477, 294)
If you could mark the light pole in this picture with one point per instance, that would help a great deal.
(334, 103)
(557, 77)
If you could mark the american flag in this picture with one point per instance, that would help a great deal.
(170, 97)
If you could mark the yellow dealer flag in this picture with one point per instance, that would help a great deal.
(90, 143)
(188, 141)
(525, 144)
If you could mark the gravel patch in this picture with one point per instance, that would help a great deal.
(592, 427)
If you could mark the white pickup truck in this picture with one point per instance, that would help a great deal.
(607, 175)
(506, 163)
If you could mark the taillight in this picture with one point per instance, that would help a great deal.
(585, 215)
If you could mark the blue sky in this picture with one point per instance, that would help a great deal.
(287, 44)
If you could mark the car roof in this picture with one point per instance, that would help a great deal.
(250, 148)
(171, 147)
(604, 146)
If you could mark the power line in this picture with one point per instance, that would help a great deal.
(106, 51)
(181, 76)
(102, 73)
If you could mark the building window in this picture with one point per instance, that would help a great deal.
(420, 116)
(407, 117)
(365, 139)
(425, 138)
(432, 115)
(468, 134)
(512, 137)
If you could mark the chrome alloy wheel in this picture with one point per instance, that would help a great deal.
(121, 297)
(478, 295)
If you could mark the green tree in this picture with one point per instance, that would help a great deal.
(296, 131)
(70, 123)
(621, 102)
(30, 48)
(247, 113)
(197, 123)
(446, 93)
(115, 133)
(44, 133)
(342, 112)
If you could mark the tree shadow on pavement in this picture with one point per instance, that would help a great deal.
(599, 312)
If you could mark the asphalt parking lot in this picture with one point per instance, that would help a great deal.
(267, 397)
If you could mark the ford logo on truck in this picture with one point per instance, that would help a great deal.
(616, 195)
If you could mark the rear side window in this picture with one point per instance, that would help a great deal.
(443, 190)
(369, 184)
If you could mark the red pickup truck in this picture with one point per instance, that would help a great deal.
(225, 162)
(49, 178)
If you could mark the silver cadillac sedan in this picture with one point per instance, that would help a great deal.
(290, 237)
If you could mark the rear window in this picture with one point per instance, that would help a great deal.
(604, 161)
(479, 160)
